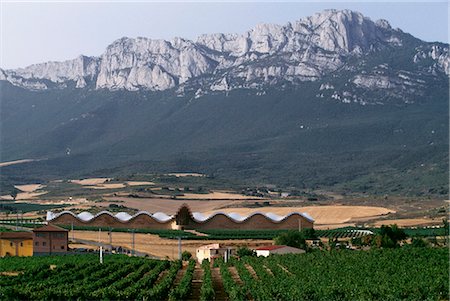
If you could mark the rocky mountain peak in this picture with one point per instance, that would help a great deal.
(304, 50)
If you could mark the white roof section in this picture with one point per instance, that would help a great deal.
(122, 216)
(200, 217)
(162, 217)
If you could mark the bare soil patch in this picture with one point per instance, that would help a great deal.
(139, 183)
(409, 222)
(218, 196)
(90, 181)
(29, 187)
(186, 174)
(106, 186)
(168, 206)
(2, 164)
(23, 196)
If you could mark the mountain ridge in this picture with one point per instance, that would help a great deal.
(365, 112)
(305, 50)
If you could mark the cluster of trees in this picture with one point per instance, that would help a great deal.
(296, 239)
(388, 237)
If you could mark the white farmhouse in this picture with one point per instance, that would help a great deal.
(213, 251)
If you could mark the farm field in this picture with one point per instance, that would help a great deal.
(323, 215)
(408, 222)
(383, 274)
(165, 193)
(167, 205)
(161, 247)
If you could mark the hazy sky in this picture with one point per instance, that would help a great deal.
(34, 32)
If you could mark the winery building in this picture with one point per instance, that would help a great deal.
(184, 219)
(50, 240)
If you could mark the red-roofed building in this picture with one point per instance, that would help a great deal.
(276, 249)
(50, 240)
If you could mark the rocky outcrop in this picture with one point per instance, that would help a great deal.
(304, 50)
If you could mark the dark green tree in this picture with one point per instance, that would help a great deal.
(14, 192)
(244, 251)
(309, 233)
(389, 236)
(419, 243)
(291, 238)
(186, 255)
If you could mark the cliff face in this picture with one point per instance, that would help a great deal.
(306, 50)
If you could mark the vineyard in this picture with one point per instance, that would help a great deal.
(226, 234)
(382, 274)
(394, 274)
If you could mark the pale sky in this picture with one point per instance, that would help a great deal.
(35, 32)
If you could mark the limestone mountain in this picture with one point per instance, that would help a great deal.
(305, 50)
(334, 99)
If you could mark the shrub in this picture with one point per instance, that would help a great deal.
(186, 255)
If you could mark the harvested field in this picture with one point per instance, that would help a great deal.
(28, 192)
(168, 206)
(29, 187)
(218, 196)
(90, 181)
(2, 164)
(160, 247)
(323, 215)
(139, 183)
(106, 186)
(186, 174)
(409, 222)
(23, 196)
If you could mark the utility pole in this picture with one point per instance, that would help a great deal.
(110, 239)
(132, 242)
(179, 247)
(101, 254)
(300, 225)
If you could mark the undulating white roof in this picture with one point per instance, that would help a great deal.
(200, 217)
(162, 217)
(122, 216)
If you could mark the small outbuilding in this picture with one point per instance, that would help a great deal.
(275, 249)
(212, 252)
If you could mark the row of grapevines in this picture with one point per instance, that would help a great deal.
(235, 293)
(254, 287)
(207, 290)
(111, 292)
(184, 287)
(146, 281)
(160, 290)
(386, 274)
(70, 290)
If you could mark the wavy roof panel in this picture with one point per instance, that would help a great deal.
(200, 217)
(121, 216)
(162, 217)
